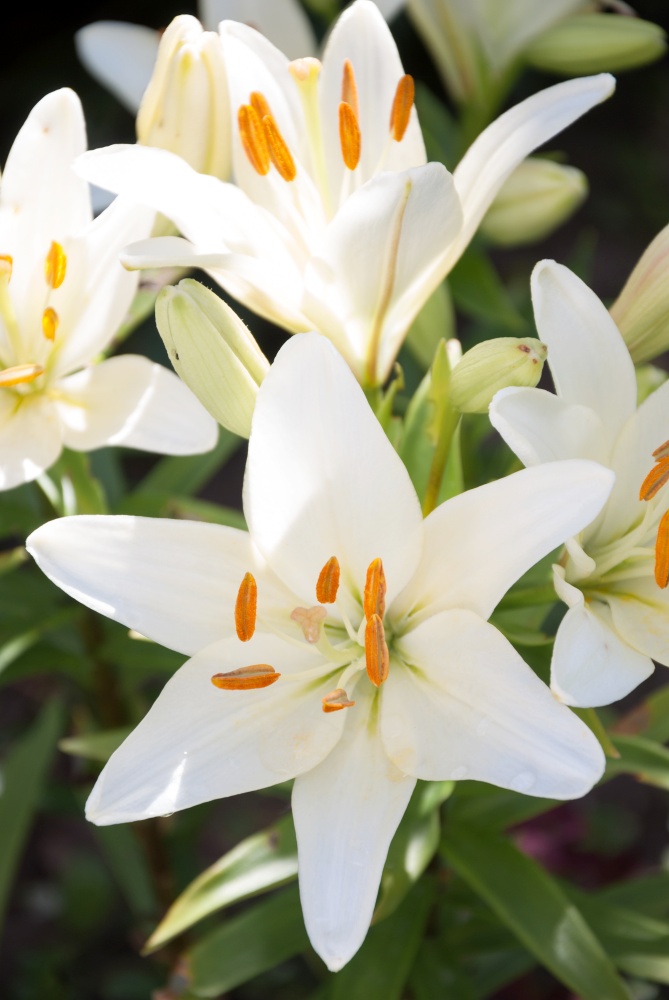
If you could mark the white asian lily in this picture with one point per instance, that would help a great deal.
(63, 295)
(337, 223)
(346, 638)
(613, 575)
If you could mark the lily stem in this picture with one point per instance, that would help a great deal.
(591, 719)
(442, 450)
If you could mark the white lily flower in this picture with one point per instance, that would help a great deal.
(346, 638)
(614, 574)
(337, 224)
(63, 295)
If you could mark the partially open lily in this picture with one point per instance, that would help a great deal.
(63, 295)
(342, 641)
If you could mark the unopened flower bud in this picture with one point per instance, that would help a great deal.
(212, 351)
(641, 311)
(537, 198)
(596, 43)
(494, 365)
(185, 106)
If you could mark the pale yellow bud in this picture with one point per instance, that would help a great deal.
(212, 351)
(537, 198)
(185, 106)
(596, 43)
(494, 365)
(641, 311)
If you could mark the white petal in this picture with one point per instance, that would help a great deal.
(478, 543)
(469, 707)
(120, 56)
(390, 8)
(322, 479)
(346, 812)
(30, 438)
(175, 582)
(641, 617)
(514, 135)
(283, 22)
(199, 743)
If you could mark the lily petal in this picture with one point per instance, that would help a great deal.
(120, 56)
(30, 438)
(642, 618)
(283, 22)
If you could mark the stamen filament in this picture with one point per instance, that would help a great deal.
(377, 657)
(55, 265)
(402, 105)
(662, 552)
(328, 582)
(246, 607)
(336, 700)
(374, 598)
(349, 136)
(254, 139)
(258, 675)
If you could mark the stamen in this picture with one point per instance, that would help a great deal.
(374, 599)
(258, 675)
(55, 265)
(305, 70)
(336, 700)
(402, 105)
(655, 479)
(661, 452)
(278, 150)
(50, 323)
(310, 620)
(18, 374)
(349, 89)
(349, 135)
(328, 582)
(662, 552)
(254, 139)
(246, 607)
(6, 266)
(377, 658)
(259, 103)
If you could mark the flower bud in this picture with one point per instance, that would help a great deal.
(537, 198)
(648, 379)
(494, 365)
(185, 106)
(212, 351)
(596, 43)
(641, 311)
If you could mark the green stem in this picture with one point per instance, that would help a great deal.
(592, 720)
(439, 459)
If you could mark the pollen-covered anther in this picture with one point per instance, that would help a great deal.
(19, 374)
(278, 150)
(259, 102)
(349, 89)
(655, 480)
(662, 552)
(257, 675)
(377, 657)
(401, 109)
(6, 266)
(50, 323)
(310, 621)
(254, 139)
(661, 452)
(336, 700)
(246, 607)
(374, 598)
(349, 136)
(55, 265)
(328, 582)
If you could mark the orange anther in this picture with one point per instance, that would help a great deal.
(18, 374)
(55, 265)
(661, 452)
(246, 607)
(402, 105)
(349, 89)
(655, 479)
(310, 621)
(258, 675)
(662, 552)
(328, 582)
(336, 700)
(6, 265)
(377, 657)
(349, 136)
(258, 101)
(278, 150)
(254, 139)
(50, 323)
(374, 599)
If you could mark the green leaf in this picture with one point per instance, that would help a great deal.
(185, 475)
(23, 774)
(433, 323)
(260, 862)
(127, 863)
(493, 808)
(646, 760)
(532, 905)
(649, 718)
(648, 894)
(247, 945)
(95, 746)
(435, 977)
(13, 646)
(479, 292)
(439, 127)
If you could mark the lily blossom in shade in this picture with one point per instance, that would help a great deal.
(613, 575)
(342, 641)
(63, 295)
(336, 223)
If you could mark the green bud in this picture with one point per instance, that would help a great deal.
(537, 198)
(494, 365)
(596, 43)
(641, 311)
(648, 379)
(212, 351)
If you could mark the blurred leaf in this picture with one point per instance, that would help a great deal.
(12, 559)
(478, 291)
(648, 894)
(475, 802)
(646, 760)
(94, 746)
(416, 448)
(533, 906)
(434, 977)
(433, 323)
(128, 866)
(439, 127)
(260, 862)
(247, 945)
(649, 718)
(13, 647)
(82, 493)
(185, 475)
(22, 774)
(188, 508)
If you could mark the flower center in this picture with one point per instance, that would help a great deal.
(652, 484)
